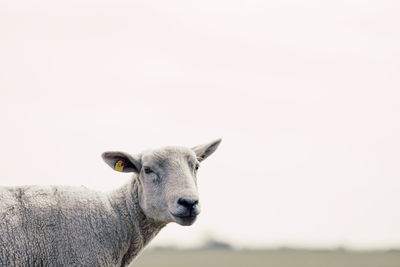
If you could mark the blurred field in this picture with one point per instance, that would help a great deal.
(269, 258)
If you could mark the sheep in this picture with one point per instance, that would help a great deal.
(75, 226)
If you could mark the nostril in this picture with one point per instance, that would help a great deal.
(187, 203)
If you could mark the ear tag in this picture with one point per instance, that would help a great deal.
(202, 156)
(119, 166)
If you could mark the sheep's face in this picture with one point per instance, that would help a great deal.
(167, 180)
(169, 185)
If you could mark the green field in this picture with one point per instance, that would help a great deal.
(268, 258)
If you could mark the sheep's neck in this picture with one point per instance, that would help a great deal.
(147, 226)
(138, 228)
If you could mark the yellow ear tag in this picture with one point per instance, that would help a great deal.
(119, 166)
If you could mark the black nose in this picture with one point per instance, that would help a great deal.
(188, 203)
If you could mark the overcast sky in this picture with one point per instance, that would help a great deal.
(305, 95)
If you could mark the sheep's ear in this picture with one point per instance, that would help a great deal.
(203, 151)
(122, 162)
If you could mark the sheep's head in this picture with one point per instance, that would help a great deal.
(167, 180)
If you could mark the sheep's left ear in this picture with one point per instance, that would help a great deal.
(122, 162)
(203, 151)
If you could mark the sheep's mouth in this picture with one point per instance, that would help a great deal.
(184, 220)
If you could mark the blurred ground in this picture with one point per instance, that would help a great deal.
(268, 258)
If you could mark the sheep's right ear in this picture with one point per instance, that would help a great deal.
(122, 162)
(203, 151)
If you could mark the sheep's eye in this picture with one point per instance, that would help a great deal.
(147, 170)
(197, 167)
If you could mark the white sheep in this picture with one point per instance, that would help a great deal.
(70, 226)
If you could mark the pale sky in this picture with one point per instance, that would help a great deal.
(305, 95)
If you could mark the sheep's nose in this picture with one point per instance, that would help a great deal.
(188, 203)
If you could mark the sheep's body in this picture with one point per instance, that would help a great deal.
(67, 226)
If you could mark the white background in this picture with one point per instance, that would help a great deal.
(305, 95)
